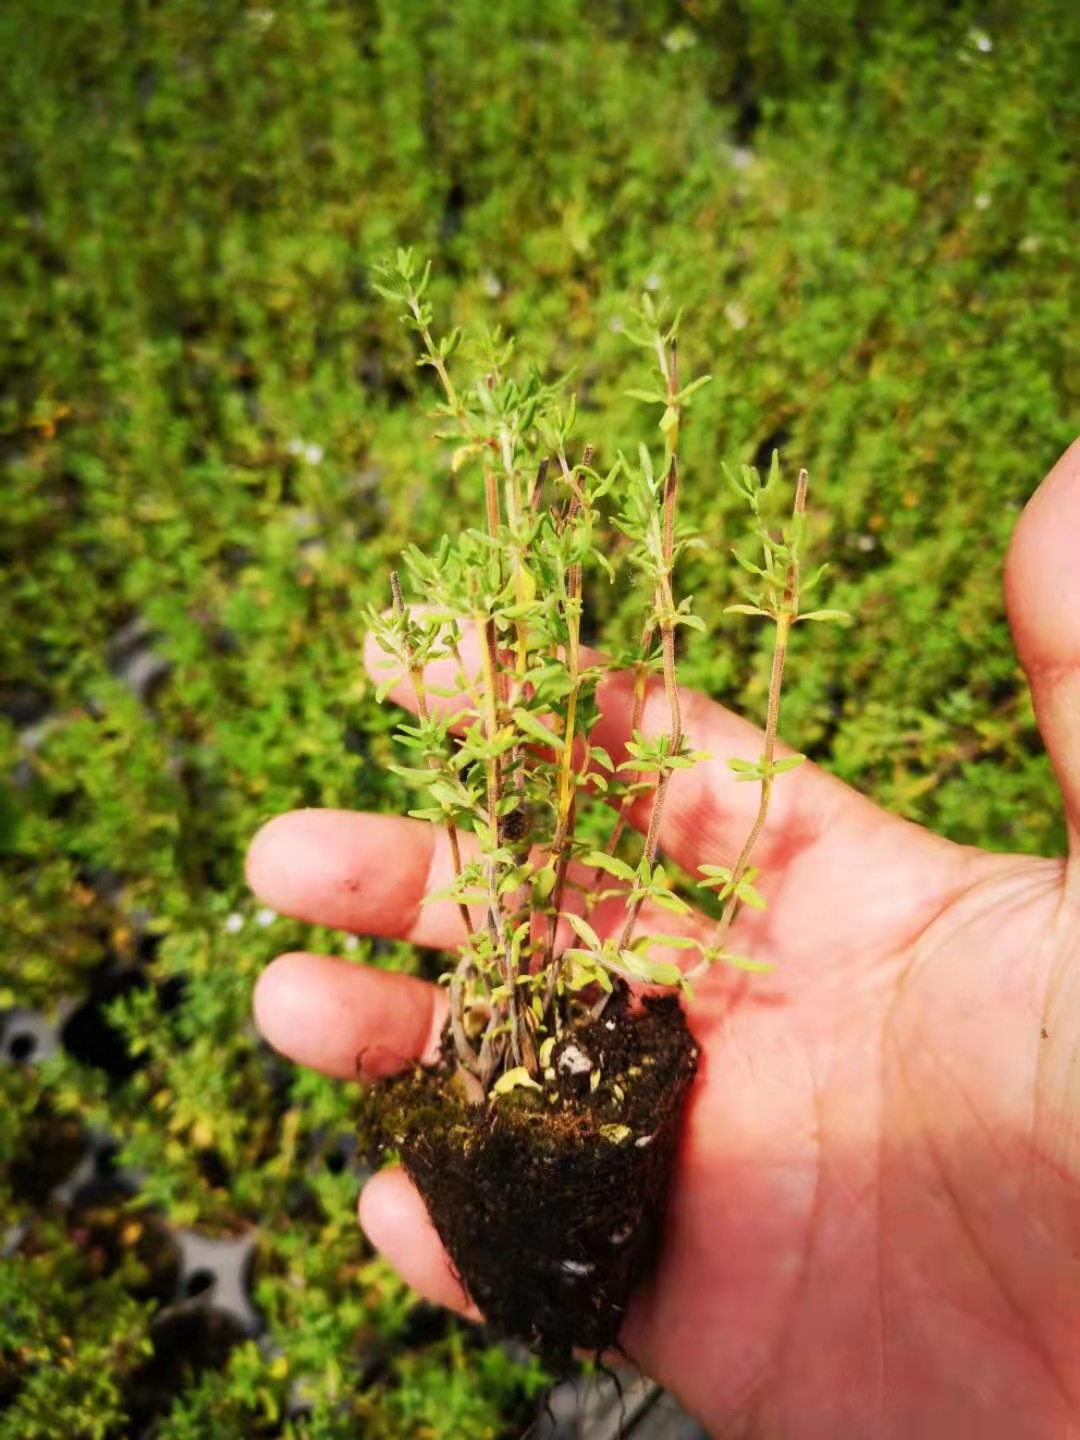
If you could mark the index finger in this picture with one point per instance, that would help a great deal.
(369, 874)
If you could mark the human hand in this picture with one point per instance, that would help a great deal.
(874, 1225)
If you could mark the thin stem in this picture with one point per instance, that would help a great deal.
(436, 361)
(486, 626)
(622, 820)
(666, 608)
(491, 498)
(435, 762)
(520, 1045)
(567, 784)
(665, 618)
(785, 618)
(562, 844)
(516, 682)
(742, 864)
(467, 1056)
(538, 485)
(463, 679)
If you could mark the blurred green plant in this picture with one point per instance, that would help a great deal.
(869, 210)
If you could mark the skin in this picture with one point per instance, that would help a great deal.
(874, 1228)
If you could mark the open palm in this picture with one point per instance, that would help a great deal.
(875, 1223)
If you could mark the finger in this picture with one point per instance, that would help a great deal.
(365, 873)
(708, 812)
(397, 1223)
(371, 873)
(1042, 593)
(346, 1020)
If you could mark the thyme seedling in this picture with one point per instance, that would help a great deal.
(512, 761)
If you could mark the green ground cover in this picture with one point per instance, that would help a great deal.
(213, 434)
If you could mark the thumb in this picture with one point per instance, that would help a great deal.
(1042, 594)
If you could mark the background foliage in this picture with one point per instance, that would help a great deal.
(215, 445)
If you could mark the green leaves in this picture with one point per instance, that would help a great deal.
(779, 574)
(762, 769)
(610, 863)
(689, 390)
(400, 278)
(840, 616)
(544, 881)
(673, 401)
(652, 754)
(748, 610)
(633, 965)
(789, 762)
(581, 969)
(584, 931)
(722, 880)
(404, 284)
(535, 728)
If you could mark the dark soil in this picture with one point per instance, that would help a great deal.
(550, 1202)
